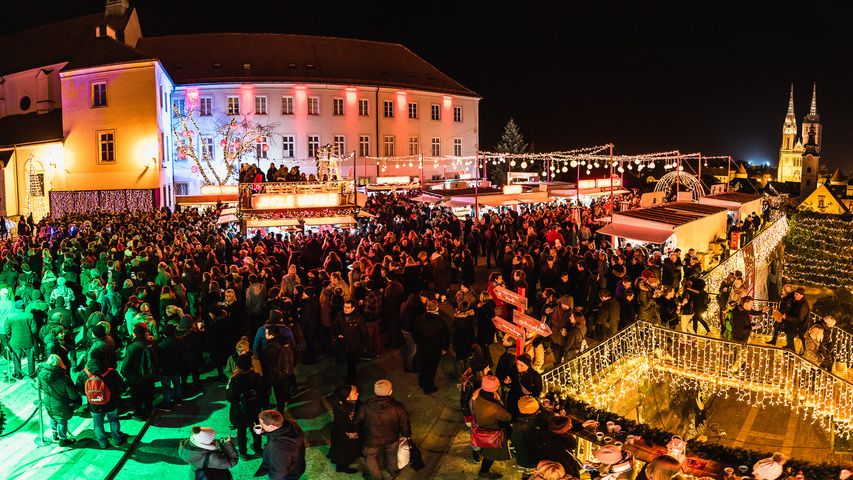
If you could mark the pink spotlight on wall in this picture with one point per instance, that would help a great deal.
(191, 98)
(448, 101)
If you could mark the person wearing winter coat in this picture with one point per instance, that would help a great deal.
(490, 414)
(345, 447)
(246, 393)
(109, 410)
(242, 348)
(351, 336)
(202, 450)
(383, 422)
(524, 380)
(169, 356)
(485, 312)
(139, 373)
(432, 337)
(192, 343)
(741, 321)
(61, 398)
(648, 310)
(278, 361)
(608, 315)
(526, 431)
(284, 454)
(464, 334)
(20, 331)
(557, 442)
(469, 383)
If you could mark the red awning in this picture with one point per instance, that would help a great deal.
(633, 232)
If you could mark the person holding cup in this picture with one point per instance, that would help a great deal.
(203, 452)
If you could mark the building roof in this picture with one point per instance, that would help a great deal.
(808, 203)
(265, 57)
(31, 128)
(675, 213)
(737, 197)
(47, 44)
(104, 51)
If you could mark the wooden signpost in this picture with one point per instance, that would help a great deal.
(523, 323)
(531, 324)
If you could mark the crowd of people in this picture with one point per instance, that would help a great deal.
(116, 303)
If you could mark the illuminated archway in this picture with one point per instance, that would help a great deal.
(686, 183)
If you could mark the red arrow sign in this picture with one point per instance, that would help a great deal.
(511, 297)
(531, 324)
(508, 328)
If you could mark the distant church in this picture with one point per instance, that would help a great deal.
(799, 162)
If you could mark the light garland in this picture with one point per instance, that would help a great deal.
(87, 201)
(813, 236)
(757, 375)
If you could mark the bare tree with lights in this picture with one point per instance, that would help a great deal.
(237, 137)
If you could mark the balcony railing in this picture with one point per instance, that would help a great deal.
(343, 188)
(760, 375)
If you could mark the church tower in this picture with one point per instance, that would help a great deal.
(812, 121)
(811, 164)
(791, 151)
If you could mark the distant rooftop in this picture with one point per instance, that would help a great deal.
(265, 57)
(675, 214)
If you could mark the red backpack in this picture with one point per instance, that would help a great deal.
(97, 392)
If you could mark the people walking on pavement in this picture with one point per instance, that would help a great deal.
(213, 458)
(384, 421)
(284, 453)
(345, 446)
(61, 398)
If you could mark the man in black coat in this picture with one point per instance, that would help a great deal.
(351, 334)
(432, 337)
(608, 315)
(139, 371)
(246, 391)
(284, 455)
(383, 422)
(797, 319)
(278, 362)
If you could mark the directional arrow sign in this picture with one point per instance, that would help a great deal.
(508, 327)
(531, 324)
(511, 297)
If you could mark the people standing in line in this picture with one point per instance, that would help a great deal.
(202, 452)
(139, 370)
(345, 445)
(284, 453)
(490, 414)
(432, 337)
(20, 330)
(61, 398)
(247, 396)
(102, 386)
(384, 421)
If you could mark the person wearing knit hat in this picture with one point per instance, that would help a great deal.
(471, 380)
(489, 415)
(549, 470)
(61, 398)
(556, 440)
(383, 388)
(383, 420)
(245, 393)
(616, 463)
(202, 452)
(525, 433)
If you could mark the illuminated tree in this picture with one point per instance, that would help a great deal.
(512, 141)
(236, 137)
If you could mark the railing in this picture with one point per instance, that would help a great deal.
(761, 375)
(345, 188)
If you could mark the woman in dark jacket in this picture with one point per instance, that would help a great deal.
(669, 308)
(246, 394)
(60, 397)
(345, 446)
(485, 312)
(524, 380)
(741, 321)
(526, 431)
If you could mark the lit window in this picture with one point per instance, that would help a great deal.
(313, 145)
(287, 105)
(457, 147)
(205, 106)
(313, 105)
(435, 110)
(363, 107)
(340, 144)
(413, 145)
(99, 94)
(436, 147)
(364, 145)
(180, 105)
(389, 145)
(207, 151)
(233, 105)
(182, 189)
(107, 144)
(260, 105)
(413, 111)
(261, 148)
(388, 108)
(288, 146)
(337, 106)
(457, 114)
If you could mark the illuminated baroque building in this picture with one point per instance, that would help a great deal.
(87, 121)
(797, 163)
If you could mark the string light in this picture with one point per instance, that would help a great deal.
(87, 201)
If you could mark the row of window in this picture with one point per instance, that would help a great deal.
(232, 107)
(288, 146)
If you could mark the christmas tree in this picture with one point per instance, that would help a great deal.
(818, 249)
(512, 141)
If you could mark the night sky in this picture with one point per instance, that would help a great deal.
(682, 76)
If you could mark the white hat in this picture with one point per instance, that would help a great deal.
(203, 437)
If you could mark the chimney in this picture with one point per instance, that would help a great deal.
(116, 8)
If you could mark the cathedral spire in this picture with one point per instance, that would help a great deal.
(813, 109)
(791, 101)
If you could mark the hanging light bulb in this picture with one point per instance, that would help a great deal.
(396, 165)
(574, 163)
(637, 161)
(680, 168)
(552, 168)
(523, 164)
(706, 163)
(595, 164)
(564, 169)
(640, 167)
(411, 164)
(544, 173)
(512, 163)
(630, 166)
(622, 170)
